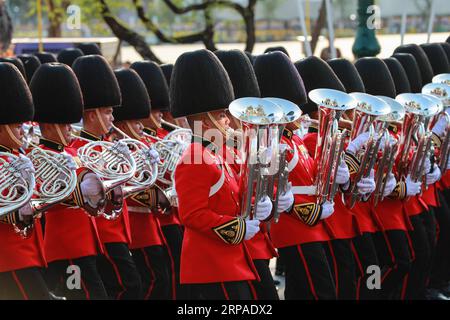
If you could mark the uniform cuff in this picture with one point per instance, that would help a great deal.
(231, 232)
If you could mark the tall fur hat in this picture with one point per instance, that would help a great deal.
(241, 73)
(69, 55)
(31, 64)
(399, 75)
(278, 77)
(437, 57)
(135, 99)
(446, 47)
(278, 48)
(89, 48)
(45, 57)
(97, 81)
(18, 63)
(57, 95)
(425, 68)
(199, 84)
(167, 71)
(412, 70)
(376, 76)
(347, 73)
(155, 82)
(16, 105)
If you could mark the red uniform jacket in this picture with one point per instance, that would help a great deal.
(70, 232)
(109, 230)
(302, 224)
(15, 252)
(213, 249)
(260, 246)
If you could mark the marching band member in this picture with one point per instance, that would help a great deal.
(21, 260)
(101, 93)
(245, 84)
(71, 237)
(215, 261)
(148, 245)
(158, 91)
(300, 231)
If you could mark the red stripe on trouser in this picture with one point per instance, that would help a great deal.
(391, 253)
(404, 286)
(19, 285)
(253, 290)
(116, 271)
(361, 271)
(225, 293)
(308, 274)
(83, 285)
(413, 257)
(336, 271)
(152, 285)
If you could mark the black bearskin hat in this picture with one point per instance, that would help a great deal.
(279, 48)
(412, 70)
(199, 84)
(316, 73)
(167, 71)
(241, 73)
(56, 94)
(278, 78)
(425, 68)
(437, 57)
(97, 81)
(347, 73)
(376, 76)
(399, 75)
(68, 56)
(135, 99)
(155, 82)
(45, 57)
(89, 48)
(18, 63)
(446, 47)
(16, 105)
(30, 63)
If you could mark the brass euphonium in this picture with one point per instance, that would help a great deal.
(366, 117)
(416, 138)
(442, 92)
(330, 141)
(291, 113)
(259, 148)
(390, 149)
(442, 78)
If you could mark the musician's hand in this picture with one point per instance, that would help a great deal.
(343, 174)
(427, 165)
(327, 210)
(251, 228)
(263, 209)
(26, 214)
(367, 185)
(390, 185)
(434, 176)
(356, 144)
(69, 161)
(91, 189)
(153, 156)
(412, 188)
(448, 163)
(25, 166)
(285, 201)
(440, 126)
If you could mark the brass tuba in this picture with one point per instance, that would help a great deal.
(291, 113)
(367, 113)
(259, 149)
(442, 78)
(330, 141)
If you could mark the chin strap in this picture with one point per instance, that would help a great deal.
(134, 134)
(156, 123)
(102, 123)
(61, 136)
(13, 137)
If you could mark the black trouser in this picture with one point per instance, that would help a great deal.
(395, 259)
(343, 267)
(365, 257)
(119, 272)
(236, 290)
(174, 238)
(308, 275)
(61, 280)
(422, 239)
(265, 289)
(153, 264)
(441, 264)
(23, 284)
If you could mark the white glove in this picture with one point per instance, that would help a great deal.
(448, 163)
(343, 175)
(25, 211)
(91, 189)
(439, 127)
(327, 209)
(251, 228)
(286, 200)
(427, 165)
(356, 144)
(412, 188)
(69, 161)
(390, 185)
(367, 185)
(263, 209)
(153, 156)
(434, 176)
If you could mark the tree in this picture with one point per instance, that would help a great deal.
(6, 28)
